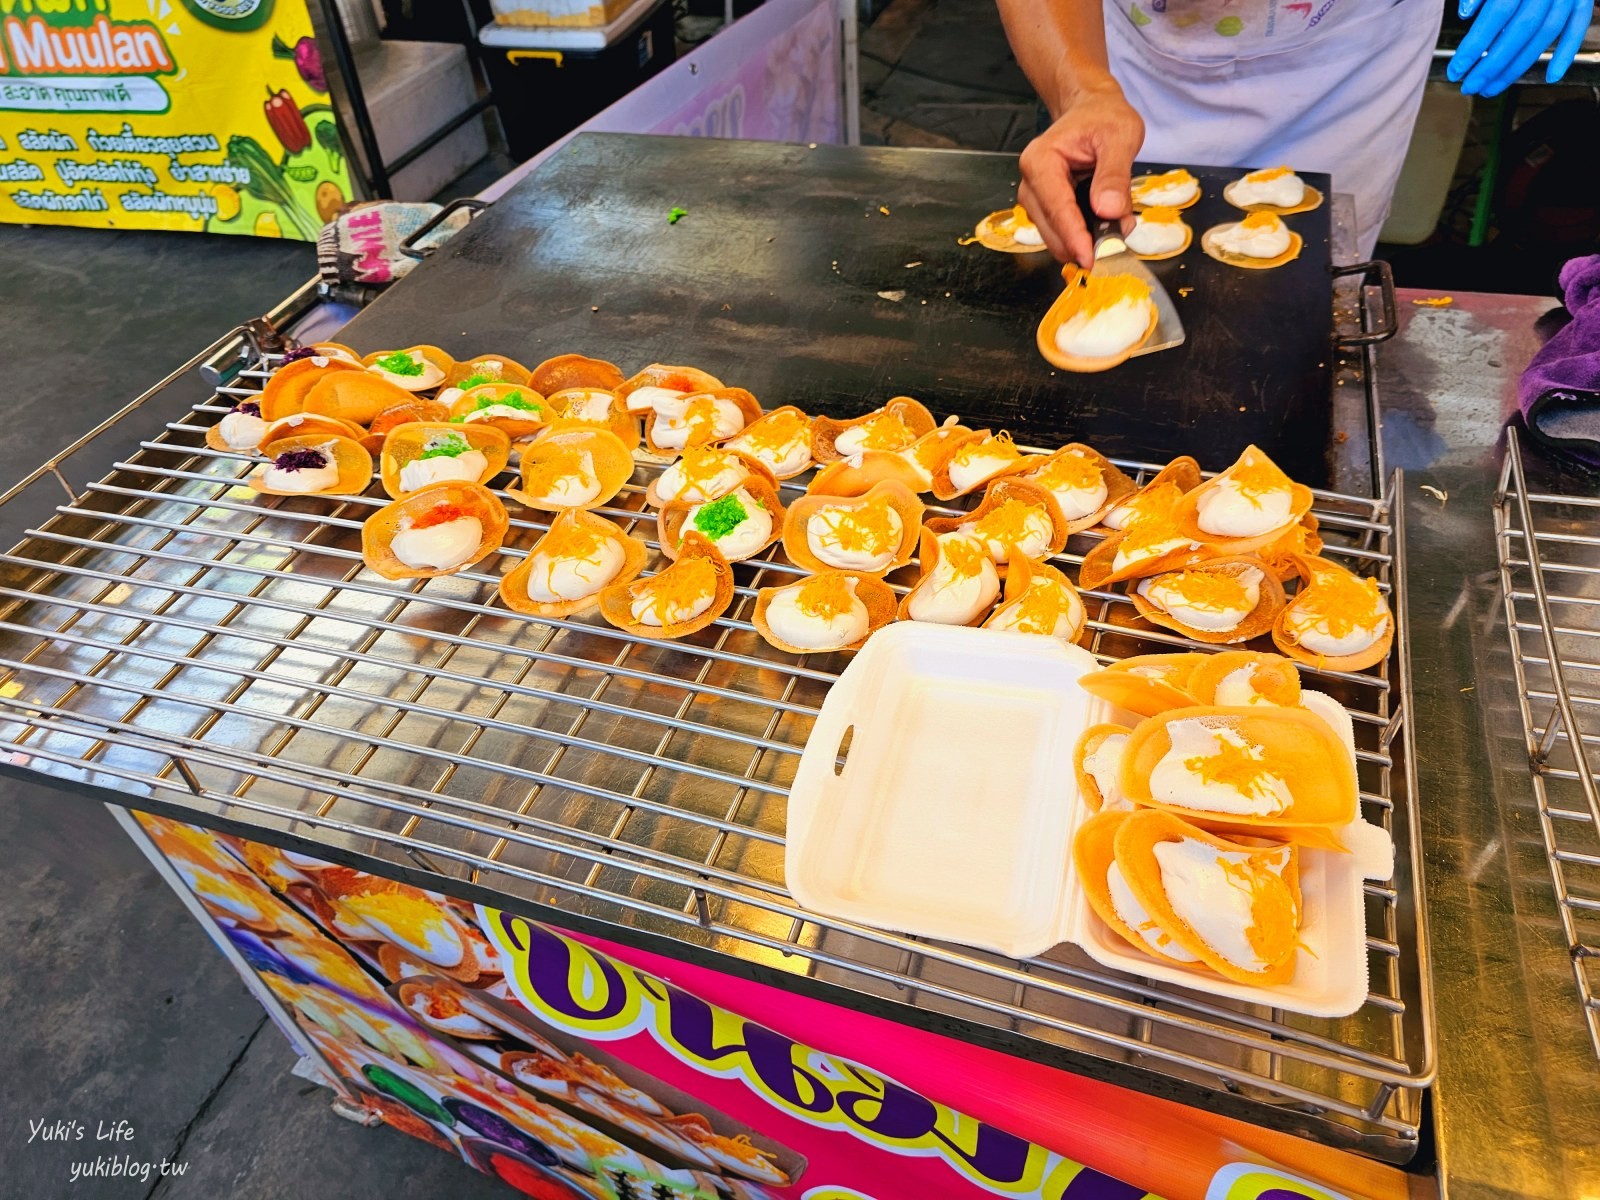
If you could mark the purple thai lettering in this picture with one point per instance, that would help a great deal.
(996, 1155)
(550, 972)
(886, 1109)
(773, 1058)
(692, 1028)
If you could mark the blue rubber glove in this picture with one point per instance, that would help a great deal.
(1508, 36)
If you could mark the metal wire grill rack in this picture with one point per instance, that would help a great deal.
(170, 634)
(1550, 577)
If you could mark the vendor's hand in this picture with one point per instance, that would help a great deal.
(1508, 36)
(1099, 132)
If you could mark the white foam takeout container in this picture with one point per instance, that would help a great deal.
(953, 812)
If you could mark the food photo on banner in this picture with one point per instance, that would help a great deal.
(191, 115)
(569, 1073)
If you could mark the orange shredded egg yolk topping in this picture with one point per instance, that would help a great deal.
(1160, 216)
(1261, 220)
(1258, 476)
(1341, 603)
(1019, 217)
(1165, 179)
(1269, 173)
(886, 430)
(571, 541)
(927, 449)
(964, 556)
(701, 417)
(1274, 928)
(406, 915)
(1042, 606)
(543, 475)
(998, 446)
(1146, 533)
(682, 585)
(865, 529)
(1237, 765)
(826, 597)
(701, 466)
(1213, 591)
(1008, 522)
(1095, 294)
(1070, 471)
(775, 431)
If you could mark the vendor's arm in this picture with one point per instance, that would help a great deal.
(1061, 46)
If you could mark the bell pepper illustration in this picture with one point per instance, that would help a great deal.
(283, 114)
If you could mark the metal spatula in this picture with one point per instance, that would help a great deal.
(1112, 257)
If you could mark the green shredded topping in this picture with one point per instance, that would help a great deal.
(472, 381)
(400, 363)
(458, 420)
(449, 445)
(721, 517)
(510, 400)
(675, 214)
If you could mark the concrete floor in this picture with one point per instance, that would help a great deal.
(115, 1005)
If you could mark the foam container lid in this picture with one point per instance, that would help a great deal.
(953, 812)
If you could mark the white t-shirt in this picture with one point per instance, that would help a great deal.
(1218, 30)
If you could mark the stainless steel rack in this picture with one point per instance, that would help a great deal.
(170, 635)
(1550, 577)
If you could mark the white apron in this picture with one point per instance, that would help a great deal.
(1328, 86)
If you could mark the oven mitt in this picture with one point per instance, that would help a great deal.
(362, 245)
(1560, 390)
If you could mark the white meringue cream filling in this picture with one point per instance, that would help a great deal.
(241, 431)
(1264, 242)
(1164, 592)
(835, 536)
(950, 595)
(438, 547)
(1105, 333)
(1155, 237)
(1187, 774)
(790, 621)
(1209, 900)
(466, 467)
(1227, 510)
(557, 579)
(1280, 191)
(1103, 764)
(1136, 918)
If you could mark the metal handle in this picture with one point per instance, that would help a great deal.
(410, 248)
(1385, 285)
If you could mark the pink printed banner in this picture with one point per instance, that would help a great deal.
(775, 76)
(570, 1068)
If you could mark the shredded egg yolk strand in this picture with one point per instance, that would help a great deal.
(1258, 476)
(701, 466)
(965, 557)
(826, 597)
(864, 530)
(1235, 764)
(1042, 606)
(1261, 220)
(1095, 294)
(571, 543)
(549, 471)
(1341, 602)
(1160, 215)
(1165, 180)
(1269, 173)
(886, 431)
(1141, 537)
(775, 432)
(404, 914)
(1274, 928)
(681, 586)
(1071, 471)
(1212, 591)
(998, 446)
(1008, 523)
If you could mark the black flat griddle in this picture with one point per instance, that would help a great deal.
(771, 282)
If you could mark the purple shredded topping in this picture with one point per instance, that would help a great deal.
(301, 352)
(297, 460)
(249, 408)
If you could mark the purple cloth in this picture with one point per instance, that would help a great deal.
(1560, 391)
(1571, 359)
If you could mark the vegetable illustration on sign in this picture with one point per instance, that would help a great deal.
(147, 114)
